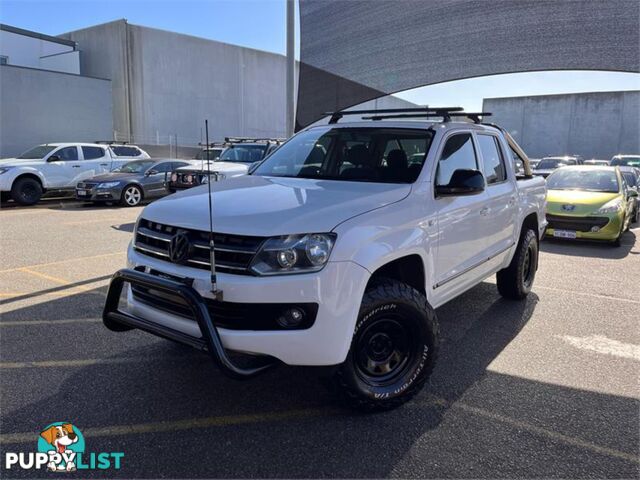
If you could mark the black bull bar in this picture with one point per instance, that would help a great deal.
(118, 321)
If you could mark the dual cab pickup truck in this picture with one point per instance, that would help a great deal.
(336, 251)
(59, 167)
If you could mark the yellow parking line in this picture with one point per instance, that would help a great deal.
(60, 262)
(187, 424)
(67, 363)
(28, 323)
(51, 278)
(540, 431)
(120, 219)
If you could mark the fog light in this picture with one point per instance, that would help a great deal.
(287, 258)
(291, 318)
(595, 229)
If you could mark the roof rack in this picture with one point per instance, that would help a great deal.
(446, 115)
(110, 142)
(212, 144)
(336, 116)
(251, 140)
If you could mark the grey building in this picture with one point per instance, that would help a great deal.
(594, 125)
(42, 96)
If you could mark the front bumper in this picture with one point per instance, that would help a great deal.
(99, 194)
(337, 289)
(582, 226)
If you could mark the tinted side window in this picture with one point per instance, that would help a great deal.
(163, 167)
(125, 151)
(492, 160)
(175, 165)
(67, 153)
(458, 153)
(92, 152)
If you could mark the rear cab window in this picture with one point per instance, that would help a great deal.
(492, 159)
(125, 151)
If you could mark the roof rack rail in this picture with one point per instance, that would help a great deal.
(211, 144)
(251, 140)
(110, 142)
(446, 115)
(336, 116)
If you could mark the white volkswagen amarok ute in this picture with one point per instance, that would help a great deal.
(337, 249)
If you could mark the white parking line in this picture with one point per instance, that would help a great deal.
(595, 295)
(604, 345)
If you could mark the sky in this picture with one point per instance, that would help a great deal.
(260, 24)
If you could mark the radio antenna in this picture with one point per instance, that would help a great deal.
(212, 253)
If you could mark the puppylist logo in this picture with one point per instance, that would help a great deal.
(61, 448)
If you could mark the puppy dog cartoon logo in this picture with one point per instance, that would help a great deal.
(61, 442)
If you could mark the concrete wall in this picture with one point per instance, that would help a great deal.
(166, 84)
(39, 106)
(29, 51)
(594, 125)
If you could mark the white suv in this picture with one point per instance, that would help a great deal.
(59, 166)
(337, 250)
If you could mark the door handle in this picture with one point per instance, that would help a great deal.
(104, 164)
(484, 211)
(75, 166)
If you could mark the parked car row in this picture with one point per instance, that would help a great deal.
(545, 166)
(59, 167)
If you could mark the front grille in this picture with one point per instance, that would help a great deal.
(233, 316)
(87, 185)
(234, 253)
(578, 224)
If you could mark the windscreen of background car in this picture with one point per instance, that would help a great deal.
(36, 152)
(134, 167)
(588, 180)
(625, 162)
(548, 163)
(243, 153)
(213, 154)
(382, 155)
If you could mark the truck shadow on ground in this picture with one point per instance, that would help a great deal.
(148, 380)
(591, 249)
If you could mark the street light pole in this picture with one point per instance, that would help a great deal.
(290, 73)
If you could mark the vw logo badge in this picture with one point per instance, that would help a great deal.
(179, 247)
(568, 208)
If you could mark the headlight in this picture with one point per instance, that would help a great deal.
(108, 184)
(611, 207)
(4, 169)
(293, 254)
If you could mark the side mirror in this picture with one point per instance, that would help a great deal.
(150, 172)
(632, 193)
(463, 182)
(53, 158)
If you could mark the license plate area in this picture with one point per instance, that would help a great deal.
(564, 234)
(82, 193)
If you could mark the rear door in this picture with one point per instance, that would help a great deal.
(499, 228)
(95, 160)
(461, 246)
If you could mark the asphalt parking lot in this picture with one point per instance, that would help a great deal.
(548, 387)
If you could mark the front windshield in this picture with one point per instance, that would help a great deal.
(382, 155)
(549, 163)
(135, 167)
(214, 153)
(596, 180)
(243, 153)
(40, 151)
(625, 161)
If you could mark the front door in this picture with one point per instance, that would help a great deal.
(461, 246)
(62, 168)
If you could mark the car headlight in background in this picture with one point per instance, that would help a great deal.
(108, 184)
(611, 207)
(4, 169)
(294, 254)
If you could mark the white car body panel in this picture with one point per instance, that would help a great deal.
(460, 241)
(227, 169)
